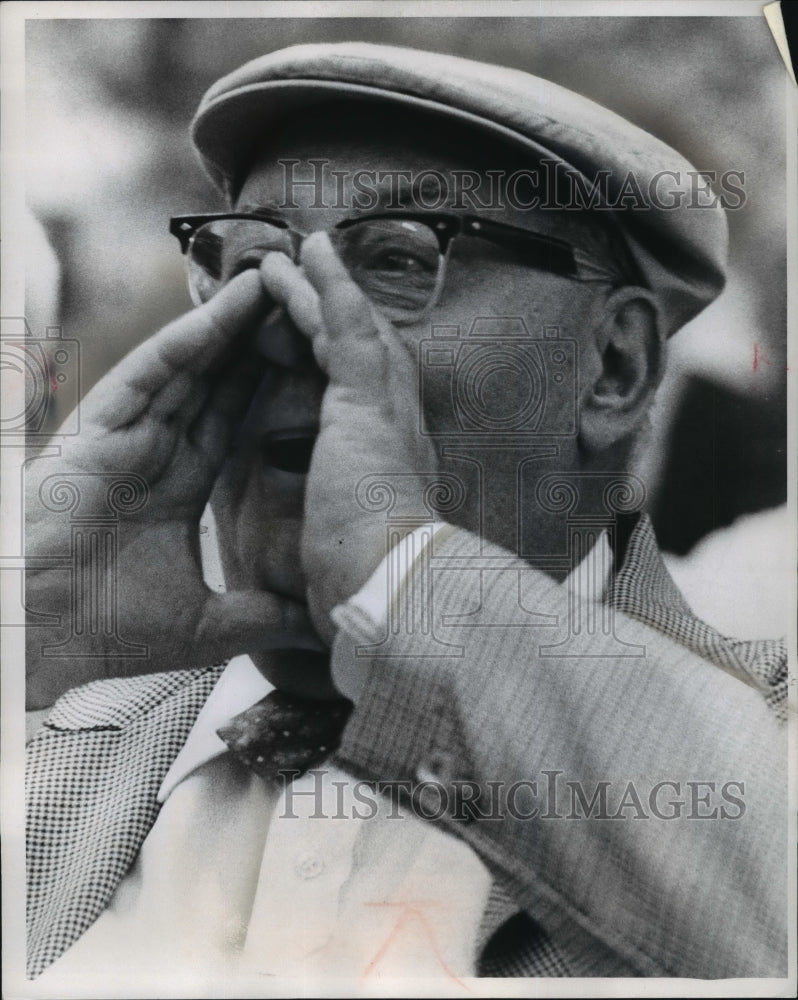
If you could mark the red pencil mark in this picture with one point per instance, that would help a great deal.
(53, 383)
(760, 359)
(411, 911)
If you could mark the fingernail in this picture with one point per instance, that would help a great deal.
(319, 238)
(275, 257)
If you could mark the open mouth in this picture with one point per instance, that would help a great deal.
(290, 450)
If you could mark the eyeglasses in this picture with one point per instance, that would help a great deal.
(398, 260)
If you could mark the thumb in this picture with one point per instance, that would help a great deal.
(247, 620)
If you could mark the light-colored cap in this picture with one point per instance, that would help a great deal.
(679, 243)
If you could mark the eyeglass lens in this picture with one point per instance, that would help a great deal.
(395, 262)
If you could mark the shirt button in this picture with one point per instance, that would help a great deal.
(308, 866)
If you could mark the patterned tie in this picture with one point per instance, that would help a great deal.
(284, 736)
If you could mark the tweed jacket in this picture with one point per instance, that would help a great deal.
(675, 703)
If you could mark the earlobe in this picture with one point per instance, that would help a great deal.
(628, 348)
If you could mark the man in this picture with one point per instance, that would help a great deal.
(413, 404)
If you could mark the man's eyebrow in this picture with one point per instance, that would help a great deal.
(428, 189)
(393, 190)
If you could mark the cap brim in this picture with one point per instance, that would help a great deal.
(229, 130)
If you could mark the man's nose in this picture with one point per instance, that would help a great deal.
(280, 341)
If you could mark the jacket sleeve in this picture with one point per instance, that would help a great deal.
(630, 793)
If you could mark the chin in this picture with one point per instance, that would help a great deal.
(302, 673)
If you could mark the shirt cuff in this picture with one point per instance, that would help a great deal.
(364, 617)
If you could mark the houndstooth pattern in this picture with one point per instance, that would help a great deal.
(644, 590)
(510, 943)
(95, 769)
(89, 783)
(521, 948)
(765, 661)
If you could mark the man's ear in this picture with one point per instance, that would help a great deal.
(629, 348)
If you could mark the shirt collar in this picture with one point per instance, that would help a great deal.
(590, 578)
(240, 686)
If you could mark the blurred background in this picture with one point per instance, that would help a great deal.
(108, 161)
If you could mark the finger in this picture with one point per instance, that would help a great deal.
(164, 364)
(286, 283)
(248, 620)
(357, 356)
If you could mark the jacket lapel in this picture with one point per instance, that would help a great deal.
(93, 773)
(644, 589)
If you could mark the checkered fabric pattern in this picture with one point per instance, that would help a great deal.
(643, 589)
(91, 795)
(521, 948)
(510, 943)
(95, 768)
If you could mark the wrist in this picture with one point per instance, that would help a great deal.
(364, 618)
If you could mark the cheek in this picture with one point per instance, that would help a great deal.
(540, 299)
(499, 362)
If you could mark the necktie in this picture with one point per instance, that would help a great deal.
(284, 736)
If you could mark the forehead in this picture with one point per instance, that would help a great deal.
(334, 161)
(309, 169)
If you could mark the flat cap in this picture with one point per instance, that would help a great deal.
(678, 237)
